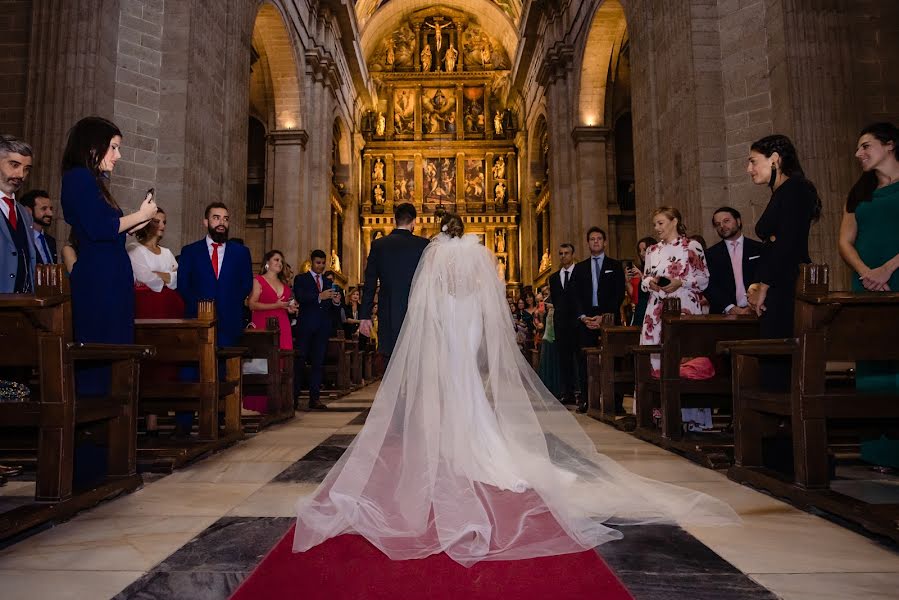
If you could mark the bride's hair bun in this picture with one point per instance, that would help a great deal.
(452, 225)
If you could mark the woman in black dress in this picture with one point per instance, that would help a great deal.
(783, 229)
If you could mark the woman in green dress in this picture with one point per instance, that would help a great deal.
(868, 240)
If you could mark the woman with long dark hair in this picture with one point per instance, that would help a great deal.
(784, 231)
(868, 240)
(102, 280)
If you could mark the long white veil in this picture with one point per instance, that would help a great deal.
(466, 452)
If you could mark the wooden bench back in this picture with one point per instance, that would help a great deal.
(697, 335)
(261, 343)
(26, 319)
(181, 340)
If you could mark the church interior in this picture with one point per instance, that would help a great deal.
(533, 120)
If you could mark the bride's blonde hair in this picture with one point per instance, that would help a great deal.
(452, 225)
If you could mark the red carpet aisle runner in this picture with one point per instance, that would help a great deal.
(349, 567)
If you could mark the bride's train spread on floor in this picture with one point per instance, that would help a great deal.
(466, 452)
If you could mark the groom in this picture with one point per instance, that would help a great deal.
(392, 261)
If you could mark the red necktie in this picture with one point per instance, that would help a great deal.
(318, 282)
(13, 219)
(215, 259)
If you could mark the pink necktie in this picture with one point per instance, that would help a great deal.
(737, 262)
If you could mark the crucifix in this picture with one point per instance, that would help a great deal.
(438, 25)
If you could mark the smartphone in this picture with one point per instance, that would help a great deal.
(151, 192)
(335, 288)
(664, 281)
(628, 265)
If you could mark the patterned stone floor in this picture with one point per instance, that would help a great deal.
(197, 533)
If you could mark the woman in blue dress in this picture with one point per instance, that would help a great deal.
(101, 280)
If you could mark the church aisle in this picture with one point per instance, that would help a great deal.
(199, 532)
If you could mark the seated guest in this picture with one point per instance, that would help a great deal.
(868, 240)
(18, 255)
(38, 201)
(317, 301)
(155, 280)
(675, 268)
(732, 265)
(634, 273)
(213, 268)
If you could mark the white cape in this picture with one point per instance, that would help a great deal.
(466, 452)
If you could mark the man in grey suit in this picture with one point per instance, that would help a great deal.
(392, 261)
(17, 251)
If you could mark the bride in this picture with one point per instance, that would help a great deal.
(466, 452)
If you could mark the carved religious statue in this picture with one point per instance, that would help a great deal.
(450, 58)
(378, 174)
(391, 52)
(499, 168)
(501, 269)
(438, 26)
(381, 127)
(426, 58)
(498, 123)
(486, 52)
(379, 195)
(544, 261)
(499, 192)
(335, 261)
(499, 240)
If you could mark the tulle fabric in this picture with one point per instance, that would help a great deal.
(466, 452)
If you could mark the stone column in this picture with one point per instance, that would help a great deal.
(284, 179)
(592, 182)
(514, 260)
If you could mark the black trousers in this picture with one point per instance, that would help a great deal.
(567, 345)
(312, 345)
(587, 338)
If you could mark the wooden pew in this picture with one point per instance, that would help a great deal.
(337, 365)
(821, 410)
(191, 342)
(686, 336)
(610, 372)
(36, 335)
(352, 345)
(277, 384)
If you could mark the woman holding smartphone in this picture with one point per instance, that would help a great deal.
(102, 280)
(675, 268)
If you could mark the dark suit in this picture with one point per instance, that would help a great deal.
(566, 326)
(722, 289)
(392, 262)
(314, 326)
(51, 246)
(610, 295)
(197, 281)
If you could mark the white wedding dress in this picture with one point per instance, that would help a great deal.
(466, 452)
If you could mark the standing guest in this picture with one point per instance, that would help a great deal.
(18, 254)
(548, 368)
(529, 315)
(317, 301)
(565, 324)
(213, 268)
(42, 213)
(391, 263)
(271, 297)
(598, 283)
(634, 273)
(69, 252)
(155, 280)
(868, 240)
(784, 231)
(675, 268)
(732, 265)
(102, 279)
(155, 274)
(352, 311)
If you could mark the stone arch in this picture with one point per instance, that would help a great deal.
(276, 56)
(608, 33)
(538, 151)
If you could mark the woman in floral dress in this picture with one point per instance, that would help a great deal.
(681, 261)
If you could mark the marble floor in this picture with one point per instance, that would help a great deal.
(197, 533)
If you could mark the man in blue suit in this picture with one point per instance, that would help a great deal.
(317, 300)
(213, 269)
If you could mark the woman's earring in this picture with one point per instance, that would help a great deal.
(266, 267)
(773, 176)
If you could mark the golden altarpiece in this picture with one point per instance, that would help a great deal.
(441, 136)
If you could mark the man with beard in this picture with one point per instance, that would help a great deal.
(42, 212)
(215, 269)
(17, 252)
(732, 265)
